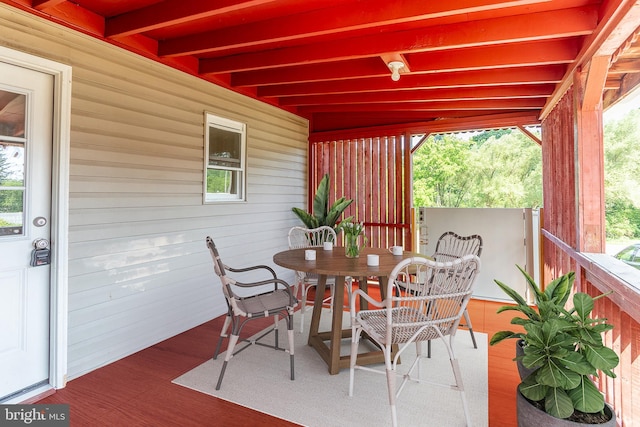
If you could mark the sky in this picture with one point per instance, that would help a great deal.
(619, 110)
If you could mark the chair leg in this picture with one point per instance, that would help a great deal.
(303, 307)
(459, 386)
(291, 344)
(355, 338)
(458, 377)
(275, 330)
(467, 320)
(391, 385)
(348, 284)
(223, 334)
(232, 343)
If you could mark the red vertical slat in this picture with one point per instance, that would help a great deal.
(384, 190)
(366, 187)
(375, 191)
(407, 190)
(391, 188)
(626, 366)
(399, 193)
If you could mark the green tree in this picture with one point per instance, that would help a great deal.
(482, 137)
(5, 168)
(10, 199)
(622, 177)
(499, 169)
(509, 172)
(442, 174)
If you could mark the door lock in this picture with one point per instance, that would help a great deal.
(40, 221)
(41, 254)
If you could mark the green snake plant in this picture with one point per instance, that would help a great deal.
(323, 214)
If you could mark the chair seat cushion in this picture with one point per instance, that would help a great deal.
(374, 323)
(270, 302)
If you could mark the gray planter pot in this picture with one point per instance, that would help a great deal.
(530, 416)
(524, 372)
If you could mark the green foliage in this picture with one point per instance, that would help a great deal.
(492, 169)
(503, 168)
(484, 136)
(5, 167)
(564, 346)
(323, 214)
(442, 173)
(622, 177)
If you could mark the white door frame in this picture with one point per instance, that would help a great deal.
(59, 207)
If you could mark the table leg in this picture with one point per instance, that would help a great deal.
(317, 308)
(318, 340)
(336, 326)
(364, 286)
(383, 281)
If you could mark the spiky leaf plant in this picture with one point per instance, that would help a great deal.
(323, 214)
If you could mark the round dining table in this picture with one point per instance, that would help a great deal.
(334, 263)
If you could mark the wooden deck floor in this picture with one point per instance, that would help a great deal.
(137, 390)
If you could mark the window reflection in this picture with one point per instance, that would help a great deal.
(12, 162)
(11, 212)
(12, 113)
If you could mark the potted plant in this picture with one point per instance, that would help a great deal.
(323, 214)
(563, 348)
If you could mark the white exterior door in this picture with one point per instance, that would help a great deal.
(26, 111)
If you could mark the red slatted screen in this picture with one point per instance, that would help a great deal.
(374, 173)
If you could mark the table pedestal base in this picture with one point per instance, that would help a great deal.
(318, 340)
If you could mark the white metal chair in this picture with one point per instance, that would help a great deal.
(300, 237)
(434, 295)
(277, 300)
(451, 246)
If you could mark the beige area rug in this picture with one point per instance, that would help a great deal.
(258, 378)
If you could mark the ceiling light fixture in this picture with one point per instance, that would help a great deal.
(395, 67)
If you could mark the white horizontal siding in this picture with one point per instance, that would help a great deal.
(139, 271)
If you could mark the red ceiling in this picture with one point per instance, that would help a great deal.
(480, 60)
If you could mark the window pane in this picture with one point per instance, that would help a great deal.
(12, 108)
(11, 216)
(224, 148)
(222, 181)
(11, 164)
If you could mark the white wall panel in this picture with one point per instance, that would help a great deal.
(139, 271)
(503, 243)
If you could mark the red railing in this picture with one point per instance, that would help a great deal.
(622, 309)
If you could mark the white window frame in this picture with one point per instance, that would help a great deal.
(239, 195)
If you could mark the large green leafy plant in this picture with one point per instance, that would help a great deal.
(563, 345)
(323, 214)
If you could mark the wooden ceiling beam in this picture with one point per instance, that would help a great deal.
(513, 76)
(512, 29)
(619, 20)
(625, 66)
(172, 12)
(45, 4)
(595, 79)
(70, 15)
(496, 104)
(424, 95)
(461, 124)
(349, 16)
(478, 58)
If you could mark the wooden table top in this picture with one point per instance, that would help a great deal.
(335, 263)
